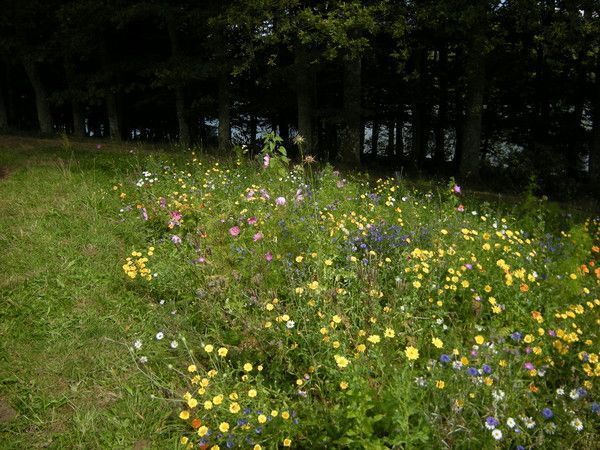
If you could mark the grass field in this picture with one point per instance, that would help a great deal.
(321, 312)
(65, 379)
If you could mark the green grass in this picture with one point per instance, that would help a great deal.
(65, 312)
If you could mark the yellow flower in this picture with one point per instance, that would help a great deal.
(361, 347)
(192, 368)
(417, 284)
(411, 353)
(274, 413)
(184, 415)
(343, 385)
(202, 431)
(234, 408)
(262, 418)
(287, 442)
(479, 339)
(328, 262)
(208, 405)
(336, 319)
(437, 342)
(192, 402)
(341, 361)
(217, 399)
(248, 367)
(224, 427)
(184, 440)
(208, 348)
(257, 447)
(374, 339)
(299, 259)
(440, 384)
(314, 285)
(252, 393)
(285, 415)
(222, 352)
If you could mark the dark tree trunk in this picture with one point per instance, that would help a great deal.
(440, 131)
(594, 162)
(304, 98)
(182, 124)
(224, 114)
(400, 136)
(391, 144)
(418, 113)
(114, 120)
(76, 108)
(253, 130)
(374, 139)
(3, 109)
(184, 129)
(474, 89)
(350, 145)
(41, 100)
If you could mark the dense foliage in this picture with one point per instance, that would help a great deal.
(509, 88)
(304, 309)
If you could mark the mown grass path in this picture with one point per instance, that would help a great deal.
(65, 381)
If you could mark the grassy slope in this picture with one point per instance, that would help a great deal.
(61, 296)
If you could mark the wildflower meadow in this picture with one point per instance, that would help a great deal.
(300, 307)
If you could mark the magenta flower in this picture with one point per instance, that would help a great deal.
(269, 256)
(257, 237)
(280, 201)
(252, 220)
(528, 366)
(176, 216)
(234, 231)
(456, 189)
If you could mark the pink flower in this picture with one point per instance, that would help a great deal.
(144, 214)
(280, 201)
(257, 237)
(456, 189)
(269, 256)
(175, 239)
(266, 160)
(98, 146)
(252, 220)
(176, 216)
(460, 208)
(234, 231)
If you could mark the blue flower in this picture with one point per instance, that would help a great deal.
(486, 369)
(472, 371)
(547, 413)
(445, 358)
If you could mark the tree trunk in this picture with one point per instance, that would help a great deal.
(594, 162)
(440, 131)
(474, 87)
(418, 112)
(182, 124)
(114, 122)
(3, 109)
(304, 98)
(253, 130)
(184, 129)
(391, 146)
(400, 136)
(350, 145)
(224, 114)
(374, 139)
(41, 100)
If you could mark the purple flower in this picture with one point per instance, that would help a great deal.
(528, 366)
(472, 371)
(280, 201)
(162, 202)
(547, 413)
(144, 214)
(469, 266)
(445, 359)
(175, 239)
(596, 408)
(269, 256)
(456, 189)
(487, 369)
(491, 422)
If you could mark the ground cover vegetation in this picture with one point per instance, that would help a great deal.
(156, 299)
